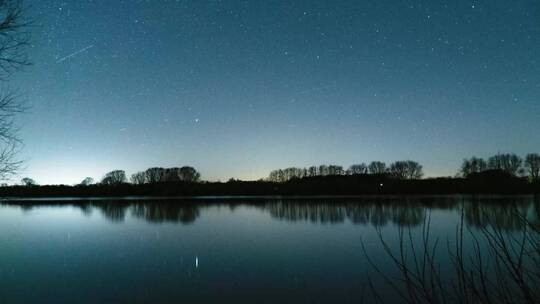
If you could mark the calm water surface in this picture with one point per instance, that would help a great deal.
(221, 250)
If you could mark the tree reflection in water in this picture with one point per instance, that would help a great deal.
(152, 211)
(501, 212)
(496, 243)
(160, 212)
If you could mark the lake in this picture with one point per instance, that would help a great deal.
(251, 250)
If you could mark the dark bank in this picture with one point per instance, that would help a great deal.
(489, 182)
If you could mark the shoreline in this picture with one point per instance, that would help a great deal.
(254, 198)
(327, 186)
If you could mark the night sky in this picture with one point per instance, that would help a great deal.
(237, 88)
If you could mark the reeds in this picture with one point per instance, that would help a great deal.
(487, 265)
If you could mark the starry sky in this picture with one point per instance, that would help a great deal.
(238, 88)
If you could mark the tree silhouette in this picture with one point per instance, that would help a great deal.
(377, 167)
(87, 181)
(510, 163)
(472, 165)
(323, 170)
(335, 170)
(189, 174)
(495, 162)
(154, 175)
(172, 175)
(28, 182)
(165, 175)
(115, 177)
(358, 169)
(290, 173)
(283, 175)
(406, 170)
(138, 178)
(13, 42)
(532, 164)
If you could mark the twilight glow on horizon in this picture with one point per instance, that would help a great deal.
(238, 88)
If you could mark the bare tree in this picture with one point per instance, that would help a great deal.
(87, 181)
(406, 170)
(273, 176)
(472, 165)
(532, 164)
(138, 178)
(277, 176)
(358, 169)
(290, 173)
(27, 181)
(377, 167)
(172, 175)
(312, 171)
(115, 177)
(510, 163)
(154, 175)
(513, 164)
(495, 162)
(323, 170)
(294, 173)
(335, 170)
(189, 174)
(14, 40)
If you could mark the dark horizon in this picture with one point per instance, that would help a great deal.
(508, 164)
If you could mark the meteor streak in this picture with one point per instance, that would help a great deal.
(75, 53)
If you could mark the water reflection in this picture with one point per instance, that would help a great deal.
(111, 210)
(508, 215)
(116, 211)
(502, 212)
(377, 213)
(160, 212)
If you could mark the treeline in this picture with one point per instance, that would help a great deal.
(407, 169)
(488, 182)
(498, 174)
(153, 175)
(511, 164)
(166, 175)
